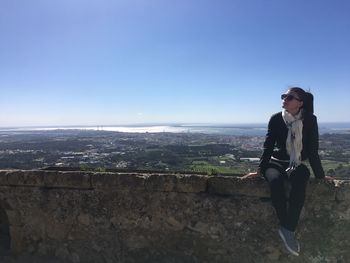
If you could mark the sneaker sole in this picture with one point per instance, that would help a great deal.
(286, 245)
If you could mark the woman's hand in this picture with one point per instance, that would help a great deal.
(329, 178)
(252, 175)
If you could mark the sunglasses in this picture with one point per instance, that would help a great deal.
(289, 97)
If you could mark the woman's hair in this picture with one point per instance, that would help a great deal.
(307, 98)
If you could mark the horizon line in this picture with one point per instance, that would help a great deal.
(150, 124)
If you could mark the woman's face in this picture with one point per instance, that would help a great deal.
(291, 102)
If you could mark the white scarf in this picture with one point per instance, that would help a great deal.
(294, 140)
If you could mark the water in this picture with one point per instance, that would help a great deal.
(228, 129)
(246, 129)
(334, 127)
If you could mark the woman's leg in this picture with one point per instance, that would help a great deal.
(298, 180)
(278, 195)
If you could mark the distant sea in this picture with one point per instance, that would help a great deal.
(225, 129)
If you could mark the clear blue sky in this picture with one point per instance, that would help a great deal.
(103, 62)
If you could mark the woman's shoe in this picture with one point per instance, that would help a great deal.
(289, 241)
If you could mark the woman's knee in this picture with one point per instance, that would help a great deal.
(272, 174)
(300, 176)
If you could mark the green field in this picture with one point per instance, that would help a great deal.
(223, 166)
(336, 169)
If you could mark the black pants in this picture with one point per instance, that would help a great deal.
(288, 193)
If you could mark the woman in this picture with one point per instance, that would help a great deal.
(291, 139)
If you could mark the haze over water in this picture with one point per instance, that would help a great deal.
(228, 129)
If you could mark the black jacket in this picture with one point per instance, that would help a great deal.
(275, 143)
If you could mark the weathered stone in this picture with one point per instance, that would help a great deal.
(136, 241)
(229, 185)
(176, 183)
(78, 179)
(191, 184)
(272, 253)
(3, 177)
(5, 204)
(43, 249)
(17, 239)
(161, 182)
(57, 231)
(84, 219)
(75, 258)
(176, 225)
(342, 192)
(117, 217)
(26, 178)
(117, 181)
(200, 227)
(62, 253)
(321, 190)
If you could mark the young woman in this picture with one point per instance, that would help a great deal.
(291, 139)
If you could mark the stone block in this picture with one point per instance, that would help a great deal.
(320, 190)
(161, 182)
(342, 191)
(117, 181)
(17, 241)
(3, 177)
(6, 204)
(175, 224)
(191, 184)
(26, 178)
(84, 219)
(176, 183)
(136, 241)
(230, 185)
(71, 179)
(14, 218)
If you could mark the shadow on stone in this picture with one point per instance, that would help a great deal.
(5, 240)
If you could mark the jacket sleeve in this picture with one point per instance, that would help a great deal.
(314, 157)
(269, 145)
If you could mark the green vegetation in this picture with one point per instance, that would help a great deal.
(164, 152)
(209, 169)
(222, 165)
(336, 168)
(87, 168)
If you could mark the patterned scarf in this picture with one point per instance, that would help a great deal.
(294, 142)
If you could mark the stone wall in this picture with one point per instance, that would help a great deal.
(130, 217)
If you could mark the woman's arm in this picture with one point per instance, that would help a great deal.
(269, 145)
(314, 157)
